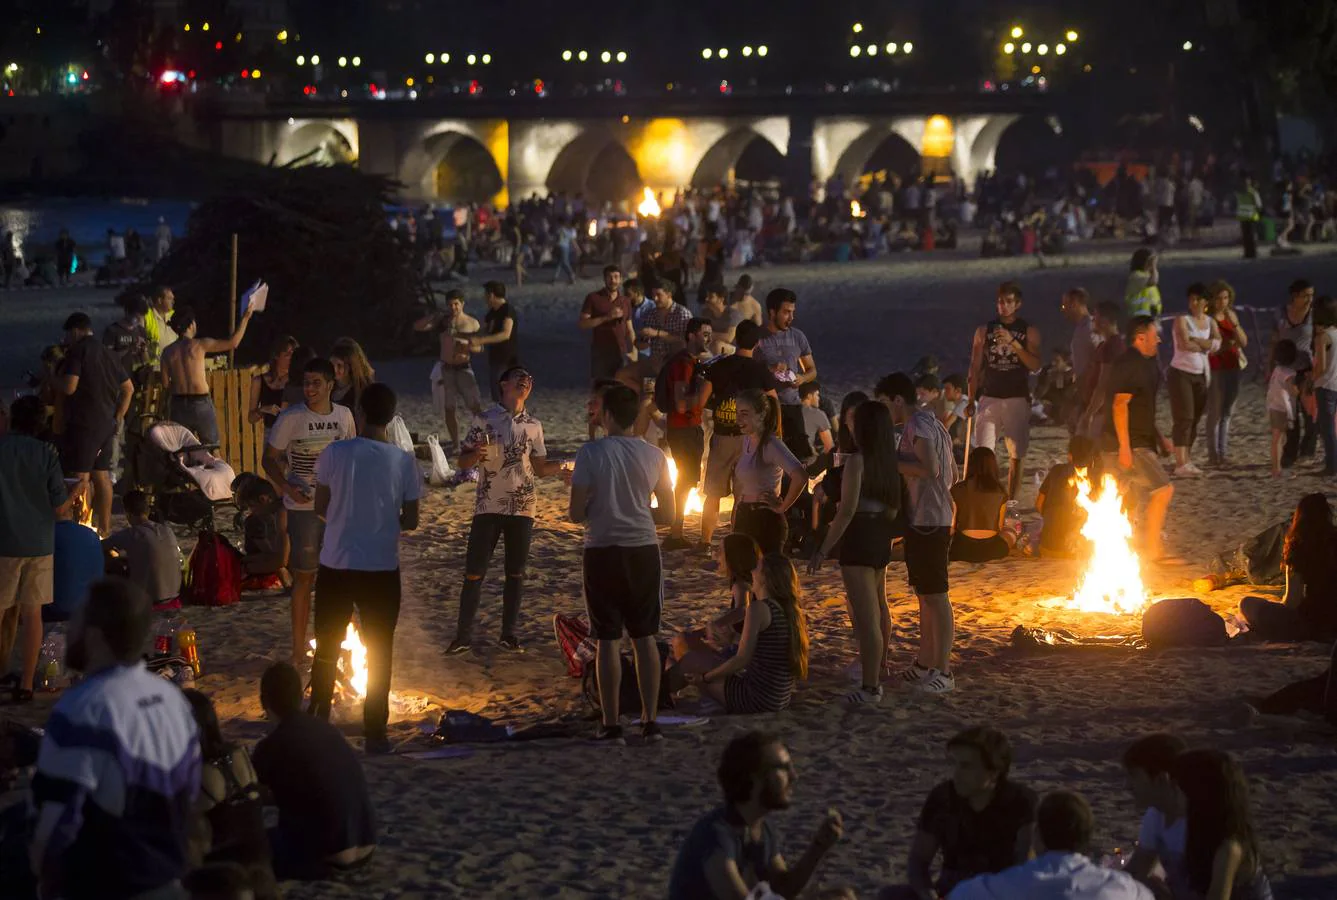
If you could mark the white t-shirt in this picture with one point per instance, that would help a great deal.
(931, 503)
(1279, 399)
(620, 473)
(369, 482)
(1167, 842)
(301, 434)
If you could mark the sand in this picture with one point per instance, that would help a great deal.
(564, 819)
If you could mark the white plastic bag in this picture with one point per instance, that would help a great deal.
(398, 433)
(438, 390)
(441, 471)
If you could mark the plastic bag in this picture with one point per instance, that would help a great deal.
(441, 471)
(398, 433)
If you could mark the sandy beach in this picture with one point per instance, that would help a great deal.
(563, 819)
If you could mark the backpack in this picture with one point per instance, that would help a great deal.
(1183, 622)
(573, 639)
(664, 387)
(213, 577)
(629, 696)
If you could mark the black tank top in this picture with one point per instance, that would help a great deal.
(270, 396)
(1005, 375)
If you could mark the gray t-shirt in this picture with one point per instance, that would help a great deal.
(784, 347)
(1302, 335)
(930, 498)
(620, 474)
(154, 557)
(815, 421)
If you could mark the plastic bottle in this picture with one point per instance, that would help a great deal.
(1012, 518)
(162, 638)
(188, 647)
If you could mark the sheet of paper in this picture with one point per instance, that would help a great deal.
(255, 297)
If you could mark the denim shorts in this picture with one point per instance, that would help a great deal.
(305, 533)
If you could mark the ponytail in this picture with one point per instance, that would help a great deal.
(769, 408)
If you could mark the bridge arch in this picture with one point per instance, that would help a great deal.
(879, 147)
(759, 146)
(317, 142)
(595, 163)
(976, 147)
(454, 161)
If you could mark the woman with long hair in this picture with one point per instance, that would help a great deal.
(1309, 559)
(229, 823)
(352, 374)
(1221, 856)
(760, 510)
(1226, 363)
(981, 508)
(865, 524)
(772, 652)
(1142, 293)
(267, 389)
(739, 555)
(826, 498)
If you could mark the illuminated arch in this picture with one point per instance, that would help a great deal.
(318, 142)
(723, 156)
(457, 161)
(594, 163)
(875, 141)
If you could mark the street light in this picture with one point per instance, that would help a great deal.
(566, 56)
(487, 59)
(1043, 49)
(343, 61)
(357, 60)
(1061, 49)
(907, 47)
(622, 56)
(705, 54)
(1071, 36)
(724, 53)
(605, 57)
(282, 35)
(855, 50)
(1188, 45)
(762, 50)
(315, 59)
(445, 58)
(892, 48)
(301, 60)
(871, 50)
(1009, 47)
(858, 27)
(471, 59)
(1026, 47)
(1016, 31)
(747, 51)
(429, 58)
(582, 56)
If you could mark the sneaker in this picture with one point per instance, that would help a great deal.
(510, 645)
(651, 733)
(914, 673)
(675, 543)
(458, 648)
(863, 696)
(937, 683)
(609, 734)
(378, 747)
(1187, 470)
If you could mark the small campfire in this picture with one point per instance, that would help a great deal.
(695, 501)
(649, 206)
(1112, 581)
(350, 672)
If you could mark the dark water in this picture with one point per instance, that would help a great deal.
(37, 223)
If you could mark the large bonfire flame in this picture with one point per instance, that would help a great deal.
(351, 667)
(694, 503)
(1113, 580)
(649, 206)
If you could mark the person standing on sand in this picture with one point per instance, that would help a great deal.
(1296, 324)
(611, 485)
(292, 446)
(161, 336)
(1004, 353)
(924, 459)
(689, 391)
(787, 352)
(1195, 336)
(183, 373)
(454, 370)
(607, 315)
(502, 339)
(734, 849)
(367, 492)
(1076, 309)
(96, 395)
(1131, 438)
(506, 444)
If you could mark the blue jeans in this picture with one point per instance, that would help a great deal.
(486, 530)
(1221, 396)
(564, 264)
(1327, 428)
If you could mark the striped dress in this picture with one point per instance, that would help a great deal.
(767, 684)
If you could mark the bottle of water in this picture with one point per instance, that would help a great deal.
(1012, 518)
(51, 662)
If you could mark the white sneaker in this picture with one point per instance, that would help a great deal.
(914, 673)
(1187, 470)
(937, 683)
(864, 697)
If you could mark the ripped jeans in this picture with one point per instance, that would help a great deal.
(484, 533)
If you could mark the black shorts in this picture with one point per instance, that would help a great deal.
(867, 540)
(926, 551)
(87, 449)
(687, 446)
(979, 550)
(624, 589)
(764, 525)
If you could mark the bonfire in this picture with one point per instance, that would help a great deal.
(350, 678)
(649, 206)
(1112, 581)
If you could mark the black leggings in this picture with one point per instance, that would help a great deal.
(1188, 401)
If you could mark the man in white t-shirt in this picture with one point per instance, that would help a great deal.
(624, 585)
(292, 446)
(367, 492)
(1158, 861)
(924, 458)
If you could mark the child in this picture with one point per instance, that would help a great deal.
(265, 556)
(1158, 861)
(1057, 500)
(953, 417)
(1281, 394)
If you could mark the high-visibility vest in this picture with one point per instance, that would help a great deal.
(1246, 206)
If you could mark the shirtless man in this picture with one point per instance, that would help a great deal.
(454, 372)
(183, 373)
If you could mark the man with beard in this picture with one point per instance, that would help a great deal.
(119, 766)
(732, 849)
(786, 351)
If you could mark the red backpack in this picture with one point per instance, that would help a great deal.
(213, 577)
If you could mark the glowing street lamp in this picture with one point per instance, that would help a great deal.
(871, 49)
(357, 60)
(566, 56)
(858, 27)
(301, 60)
(1071, 36)
(282, 36)
(892, 49)
(1061, 49)
(855, 50)
(429, 58)
(762, 50)
(1026, 47)
(706, 53)
(606, 57)
(343, 61)
(582, 56)
(1009, 47)
(1016, 31)
(487, 59)
(724, 53)
(622, 56)
(315, 59)
(907, 47)
(1043, 49)
(471, 59)
(1188, 45)
(747, 51)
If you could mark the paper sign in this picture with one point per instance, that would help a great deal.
(255, 297)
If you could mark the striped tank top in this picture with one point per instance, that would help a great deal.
(767, 684)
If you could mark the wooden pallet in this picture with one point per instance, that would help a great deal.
(242, 444)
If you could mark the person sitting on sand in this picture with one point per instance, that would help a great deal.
(78, 561)
(733, 849)
(981, 507)
(325, 820)
(265, 548)
(151, 550)
(1221, 853)
(1061, 870)
(739, 558)
(979, 819)
(1158, 860)
(1309, 611)
(772, 650)
(1057, 500)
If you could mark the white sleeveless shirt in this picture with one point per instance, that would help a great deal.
(1192, 361)
(1327, 379)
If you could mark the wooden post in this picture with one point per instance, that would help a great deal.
(232, 303)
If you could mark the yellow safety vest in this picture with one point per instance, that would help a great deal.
(1246, 203)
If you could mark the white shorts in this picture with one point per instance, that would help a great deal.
(1011, 416)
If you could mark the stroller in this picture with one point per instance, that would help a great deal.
(188, 482)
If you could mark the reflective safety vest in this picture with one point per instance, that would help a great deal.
(1246, 206)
